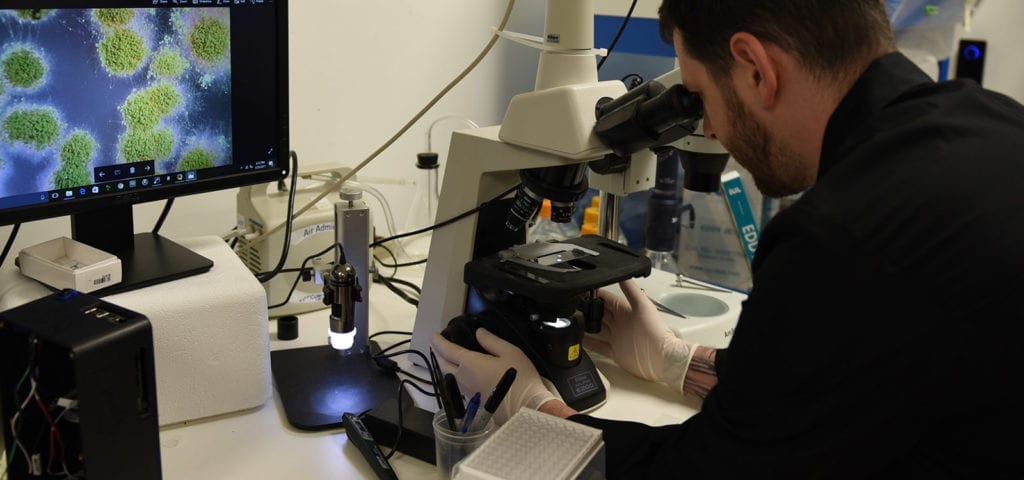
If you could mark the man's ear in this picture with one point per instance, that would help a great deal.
(755, 71)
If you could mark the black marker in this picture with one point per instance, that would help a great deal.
(497, 395)
(451, 385)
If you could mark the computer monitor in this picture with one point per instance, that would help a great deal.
(109, 103)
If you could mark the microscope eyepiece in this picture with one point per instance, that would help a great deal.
(648, 116)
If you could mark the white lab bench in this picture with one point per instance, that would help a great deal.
(259, 442)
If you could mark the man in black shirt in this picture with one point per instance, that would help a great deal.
(882, 334)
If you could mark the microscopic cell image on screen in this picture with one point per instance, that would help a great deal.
(82, 89)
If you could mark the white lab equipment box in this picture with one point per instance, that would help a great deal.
(64, 263)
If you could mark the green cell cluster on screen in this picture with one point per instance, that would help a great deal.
(36, 127)
(34, 14)
(210, 39)
(122, 51)
(68, 176)
(195, 159)
(139, 146)
(78, 149)
(143, 110)
(23, 67)
(167, 63)
(113, 17)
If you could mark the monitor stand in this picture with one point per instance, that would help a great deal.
(146, 258)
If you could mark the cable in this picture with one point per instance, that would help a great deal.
(287, 236)
(54, 434)
(446, 222)
(30, 364)
(14, 428)
(303, 267)
(397, 291)
(163, 215)
(632, 80)
(389, 332)
(389, 218)
(398, 436)
(394, 346)
(408, 351)
(483, 53)
(618, 35)
(10, 242)
(379, 243)
(415, 288)
(430, 129)
(399, 265)
(394, 269)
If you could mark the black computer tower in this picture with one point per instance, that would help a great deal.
(77, 380)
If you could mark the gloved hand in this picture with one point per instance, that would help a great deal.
(479, 372)
(634, 335)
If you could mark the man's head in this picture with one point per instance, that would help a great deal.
(771, 74)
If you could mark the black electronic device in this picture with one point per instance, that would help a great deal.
(109, 103)
(78, 390)
(970, 59)
(540, 297)
(416, 436)
(363, 440)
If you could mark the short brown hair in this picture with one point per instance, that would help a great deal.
(828, 37)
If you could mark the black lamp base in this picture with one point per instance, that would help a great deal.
(319, 384)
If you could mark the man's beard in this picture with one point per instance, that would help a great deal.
(774, 167)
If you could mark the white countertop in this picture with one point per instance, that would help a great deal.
(259, 443)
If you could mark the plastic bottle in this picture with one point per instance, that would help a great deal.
(546, 230)
(423, 210)
(591, 215)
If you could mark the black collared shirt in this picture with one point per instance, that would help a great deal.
(884, 335)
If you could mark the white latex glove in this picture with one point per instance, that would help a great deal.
(634, 335)
(479, 372)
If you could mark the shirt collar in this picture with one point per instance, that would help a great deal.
(885, 79)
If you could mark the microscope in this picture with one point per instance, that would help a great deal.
(541, 297)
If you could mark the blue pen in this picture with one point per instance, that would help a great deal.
(471, 408)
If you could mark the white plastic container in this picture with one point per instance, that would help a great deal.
(64, 263)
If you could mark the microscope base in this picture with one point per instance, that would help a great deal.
(581, 386)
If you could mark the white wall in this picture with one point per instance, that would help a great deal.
(999, 23)
(359, 70)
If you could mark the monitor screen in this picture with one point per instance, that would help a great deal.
(108, 103)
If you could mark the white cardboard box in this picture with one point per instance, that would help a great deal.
(64, 263)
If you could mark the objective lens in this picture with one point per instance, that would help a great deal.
(563, 185)
(523, 208)
(562, 212)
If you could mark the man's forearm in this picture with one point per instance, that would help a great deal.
(700, 375)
